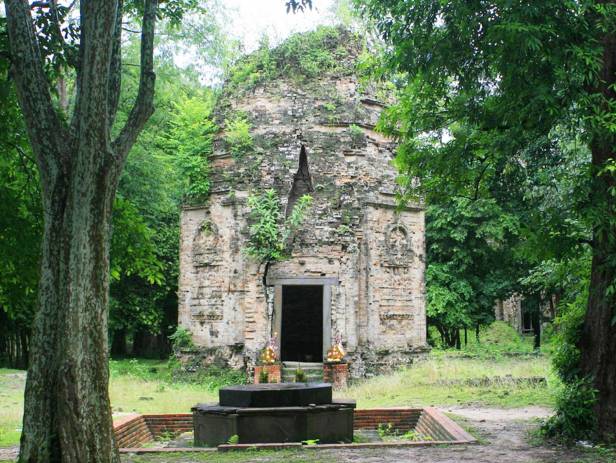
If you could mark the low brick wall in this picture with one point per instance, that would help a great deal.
(402, 419)
(175, 424)
(134, 430)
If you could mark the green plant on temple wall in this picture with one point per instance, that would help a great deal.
(270, 233)
(237, 136)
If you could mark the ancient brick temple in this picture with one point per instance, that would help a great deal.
(357, 263)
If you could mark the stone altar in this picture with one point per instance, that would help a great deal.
(274, 413)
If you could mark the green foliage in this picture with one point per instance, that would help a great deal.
(468, 257)
(385, 430)
(270, 232)
(164, 167)
(357, 134)
(133, 241)
(234, 439)
(168, 163)
(263, 376)
(189, 140)
(502, 103)
(300, 376)
(181, 339)
(237, 136)
(310, 441)
(307, 55)
(388, 432)
(575, 418)
(211, 377)
(495, 341)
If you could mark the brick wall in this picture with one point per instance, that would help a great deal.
(134, 430)
(402, 419)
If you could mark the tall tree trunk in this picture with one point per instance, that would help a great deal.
(67, 414)
(68, 376)
(598, 340)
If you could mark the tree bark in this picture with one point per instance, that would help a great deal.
(598, 339)
(67, 414)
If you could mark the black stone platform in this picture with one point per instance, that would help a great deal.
(275, 395)
(306, 412)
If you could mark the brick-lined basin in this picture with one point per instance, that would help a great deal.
(133, 431)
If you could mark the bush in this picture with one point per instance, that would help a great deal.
(181, 339)
(300, 376)
(574, 418)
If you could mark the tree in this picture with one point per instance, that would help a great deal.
(514, 74)
(67, 414)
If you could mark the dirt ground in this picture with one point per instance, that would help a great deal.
(504, 436)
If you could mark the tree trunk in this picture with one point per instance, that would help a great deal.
(67, 414)
(68, 376)
(598, 339)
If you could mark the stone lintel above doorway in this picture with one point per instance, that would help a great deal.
(284, 280)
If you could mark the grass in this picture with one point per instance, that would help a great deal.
(427, 383)
(12, 384)
(286, 456)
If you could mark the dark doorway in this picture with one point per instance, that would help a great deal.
(301, 339)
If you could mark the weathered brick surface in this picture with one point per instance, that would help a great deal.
(353, 232)
(337, 374)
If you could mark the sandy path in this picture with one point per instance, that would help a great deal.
(504, 439)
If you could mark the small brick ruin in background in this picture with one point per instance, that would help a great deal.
(337, 374)
(133, 431)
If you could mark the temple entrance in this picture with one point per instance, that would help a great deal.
(301, 336)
